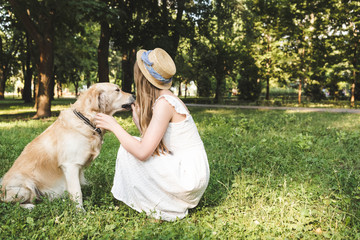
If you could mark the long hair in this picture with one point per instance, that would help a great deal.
(146, 95)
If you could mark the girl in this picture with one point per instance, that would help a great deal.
(166, 171)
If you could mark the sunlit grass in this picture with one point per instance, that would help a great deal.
(15, 109)
(274, 175)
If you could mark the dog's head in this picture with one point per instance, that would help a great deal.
(106, 98)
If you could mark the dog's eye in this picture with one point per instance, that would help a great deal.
(118, 90)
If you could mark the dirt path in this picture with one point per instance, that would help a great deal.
(295, 109)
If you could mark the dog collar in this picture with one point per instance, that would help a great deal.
(87, 121)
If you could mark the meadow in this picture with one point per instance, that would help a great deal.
(274, 175)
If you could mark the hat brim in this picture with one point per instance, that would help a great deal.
(148, 76)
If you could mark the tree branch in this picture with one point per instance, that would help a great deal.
(25, 19)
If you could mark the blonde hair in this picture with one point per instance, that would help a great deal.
(146, 95)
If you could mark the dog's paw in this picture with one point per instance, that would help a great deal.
(29, 206)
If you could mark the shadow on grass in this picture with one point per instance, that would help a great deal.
(26, 111)
(18, 103)
(24, 116)
(302, 148)
(16, 109)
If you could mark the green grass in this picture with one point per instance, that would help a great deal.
(274, 175)
(275, 101)
(285, 97)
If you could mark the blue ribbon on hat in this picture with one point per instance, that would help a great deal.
(148, 64)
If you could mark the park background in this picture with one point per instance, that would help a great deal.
(274, 174)
(263, 52)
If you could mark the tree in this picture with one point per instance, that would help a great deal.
(248, 77)
(103, 52)
(320, 52)
(306, 33)
(41, 29)
(42, 19)
(217, 43)
(75, 58)
(11, 40)
(346, 20)
(268, 43)
(147, 24)
(27, 70)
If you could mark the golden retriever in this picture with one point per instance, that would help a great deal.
(54, 161)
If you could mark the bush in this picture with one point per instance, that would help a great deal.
(249, 86)
(249, 89)
(314, 92)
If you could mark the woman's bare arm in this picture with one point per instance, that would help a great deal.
(143, 149)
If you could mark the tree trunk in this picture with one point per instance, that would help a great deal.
(268, 69)
(302, 81)
(87, 77)
(219, 89)
(353, 86)
(352, 100)
(4, 70)
(35, 85)
(220, 80)
(179, 93)
(27, 73)
(43, 98)
(267, 97)
(103, 52)
(2, 80)
(42, 33)
(186, 89)
(2, 83)
(127, 64)
(177, 28)
(52, 83)
(299, 93)
(76, 85)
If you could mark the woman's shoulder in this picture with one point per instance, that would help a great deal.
(162, 102)
(166, 96)
(167, 93)
(173, 101)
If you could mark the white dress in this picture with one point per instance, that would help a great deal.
(165, 186)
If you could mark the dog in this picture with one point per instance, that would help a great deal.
(55, 160)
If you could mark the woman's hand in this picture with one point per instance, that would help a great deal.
(144, 148)
(135, 115)
(106, 122)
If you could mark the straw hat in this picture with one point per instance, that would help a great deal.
(157, 66)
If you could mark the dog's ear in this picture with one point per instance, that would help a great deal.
(102, 101)
(96, 100)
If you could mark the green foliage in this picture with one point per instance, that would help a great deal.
(75, 56)
(215, 48)
(249, 86)
(11, 42)
(274, 175)
(275, 43)
(314, 91)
